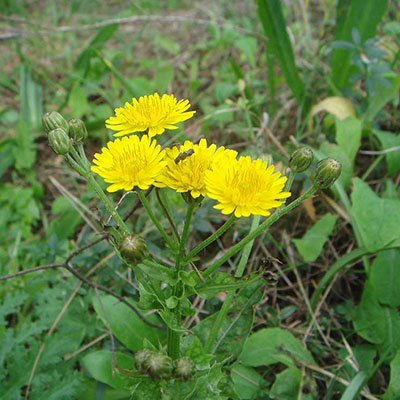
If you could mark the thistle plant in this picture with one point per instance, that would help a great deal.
(238, 186)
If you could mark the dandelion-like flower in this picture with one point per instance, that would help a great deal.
(129, 162)
(187, 166)
(245, 187)
(152, 113)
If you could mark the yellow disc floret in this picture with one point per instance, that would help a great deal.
(129, 162)
(152, 113)
(245, 187)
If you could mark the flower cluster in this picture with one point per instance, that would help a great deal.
(240, 185)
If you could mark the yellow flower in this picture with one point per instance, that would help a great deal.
(152, 112)
(245, 187)
(187, 165)
(129, 162)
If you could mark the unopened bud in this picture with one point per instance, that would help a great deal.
(53, 120)
(326, 172)
(133, 249)
(301, 159)
(140, 359)
(59, 141)
(159, 366)
(77, 130)
(184, 368)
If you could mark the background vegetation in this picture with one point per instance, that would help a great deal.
(264, 78)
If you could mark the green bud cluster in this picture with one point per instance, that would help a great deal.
(62, 134)
(133, 249)
(160, 366)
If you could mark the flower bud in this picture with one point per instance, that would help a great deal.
(53, 120)
(301, 159)
(159, 366)
(325, 173)
(59, 141)
(140, 359)
(184, 368)
(133, 249)
(77, 130)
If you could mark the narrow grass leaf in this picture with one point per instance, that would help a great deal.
(272, 19)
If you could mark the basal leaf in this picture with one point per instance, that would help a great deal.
(378, 219)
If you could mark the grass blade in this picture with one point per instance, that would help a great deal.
(271, 16)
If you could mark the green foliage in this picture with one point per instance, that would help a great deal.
(125, 324)
(311, 244)
(271, 16)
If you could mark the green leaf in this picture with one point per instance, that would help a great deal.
(363, 15)
(389, 140)
(286, 386)
(77, 101)
(383, 95)
(274, 345)
(99, 365)
(311, 244)
(385, 276)
(247, 381)
(348, 135)
(374, 322)
(31, 104)
(25, 149)
(272, 19)
(163, 78)
(378, 219)
(354, 387)
(393, 389)
(126, 325)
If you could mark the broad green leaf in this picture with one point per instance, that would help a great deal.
(311, 244)
(348, 135)
(247, 381)
(383, 95)
(393, 390)
(286, 386)
(378, 219)
(25, 150)
(99, 365)
(385, 276)
(363, 15)
(336, 152)
(389, 140)
(273, 345)
(374, 322)
(272, 19)
(126, 325)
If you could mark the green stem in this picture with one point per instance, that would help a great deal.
(147, 207)
(268, 222)
(173, 337)
(290, 180)
(231, 294)
(75, 165)
(110, 208)
(222, 229)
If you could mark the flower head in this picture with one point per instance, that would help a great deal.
(245, 187)
(129, 162)
(187, 165)
(152, 112)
